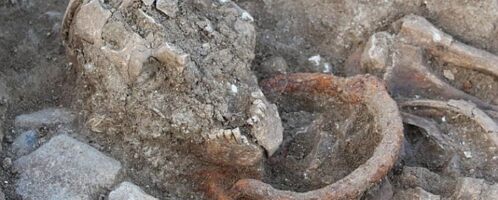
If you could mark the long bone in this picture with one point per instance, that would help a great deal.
(418, 31)
(401, 59)
(410, 77)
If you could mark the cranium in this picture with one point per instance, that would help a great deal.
(162, 74)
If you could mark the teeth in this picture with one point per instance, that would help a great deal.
(237, 135)
(228, 135)
(220, 134)
(232, 135)
(244, 140)
(257, 95)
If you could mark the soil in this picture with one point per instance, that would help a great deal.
(165, 154)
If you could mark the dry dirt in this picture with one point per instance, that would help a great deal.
(162, 123)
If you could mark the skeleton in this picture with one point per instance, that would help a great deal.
(149, 70)
(402, 61)
(413, 64)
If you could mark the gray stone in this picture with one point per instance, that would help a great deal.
(272, 66)
(25, 143)
(472, 188)
(491, 192)
(47, 117)
(469, 188)
(129, 191)
(65, 168)
(168, 7)
(4, 101)
(383, 191)
(7, 163)
(148, 2)
(415, 194)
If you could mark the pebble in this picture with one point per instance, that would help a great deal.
(7, 163)
(168, 7)
(129, 191)
(449, 75)
(25, 143)
(415, 194)
(43, 118)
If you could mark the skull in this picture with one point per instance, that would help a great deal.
(172, 72)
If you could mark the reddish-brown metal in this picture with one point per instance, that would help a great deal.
(366, 90)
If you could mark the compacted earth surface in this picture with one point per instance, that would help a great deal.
(248, 99)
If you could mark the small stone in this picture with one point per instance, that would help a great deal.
(2, 195)
(168, 7)
(234, 89)
(64, 168)
(25, 143)
(7, 163)
(9, 138)
(272, 66)
(491, 192)
(380, 192)
(44, 118)
(315, 60)
(129, 191)
(148, 2)
(467, 154)
(469, 188)
(449, 75)
(223, 1)
(415, 194)
(246, 16)
(376, 53)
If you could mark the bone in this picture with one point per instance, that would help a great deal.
(409, 76)
(465, 108)
(429, 127)
(131, 58)
(375, 56)
(265, 122)
(89, 21)
(227, 152)
(417, 30)
(406, 71)
(169, 54)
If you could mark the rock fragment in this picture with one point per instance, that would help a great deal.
(168, 7)
(148, 2)
(6, 163)
(376, 53)
(25, 143)
(49, 117)
(473, 188)
(129, 191)
(416, 194)
(449, 75)
(272, 66)
(65, 168)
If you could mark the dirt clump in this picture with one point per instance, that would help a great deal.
(255, 99)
